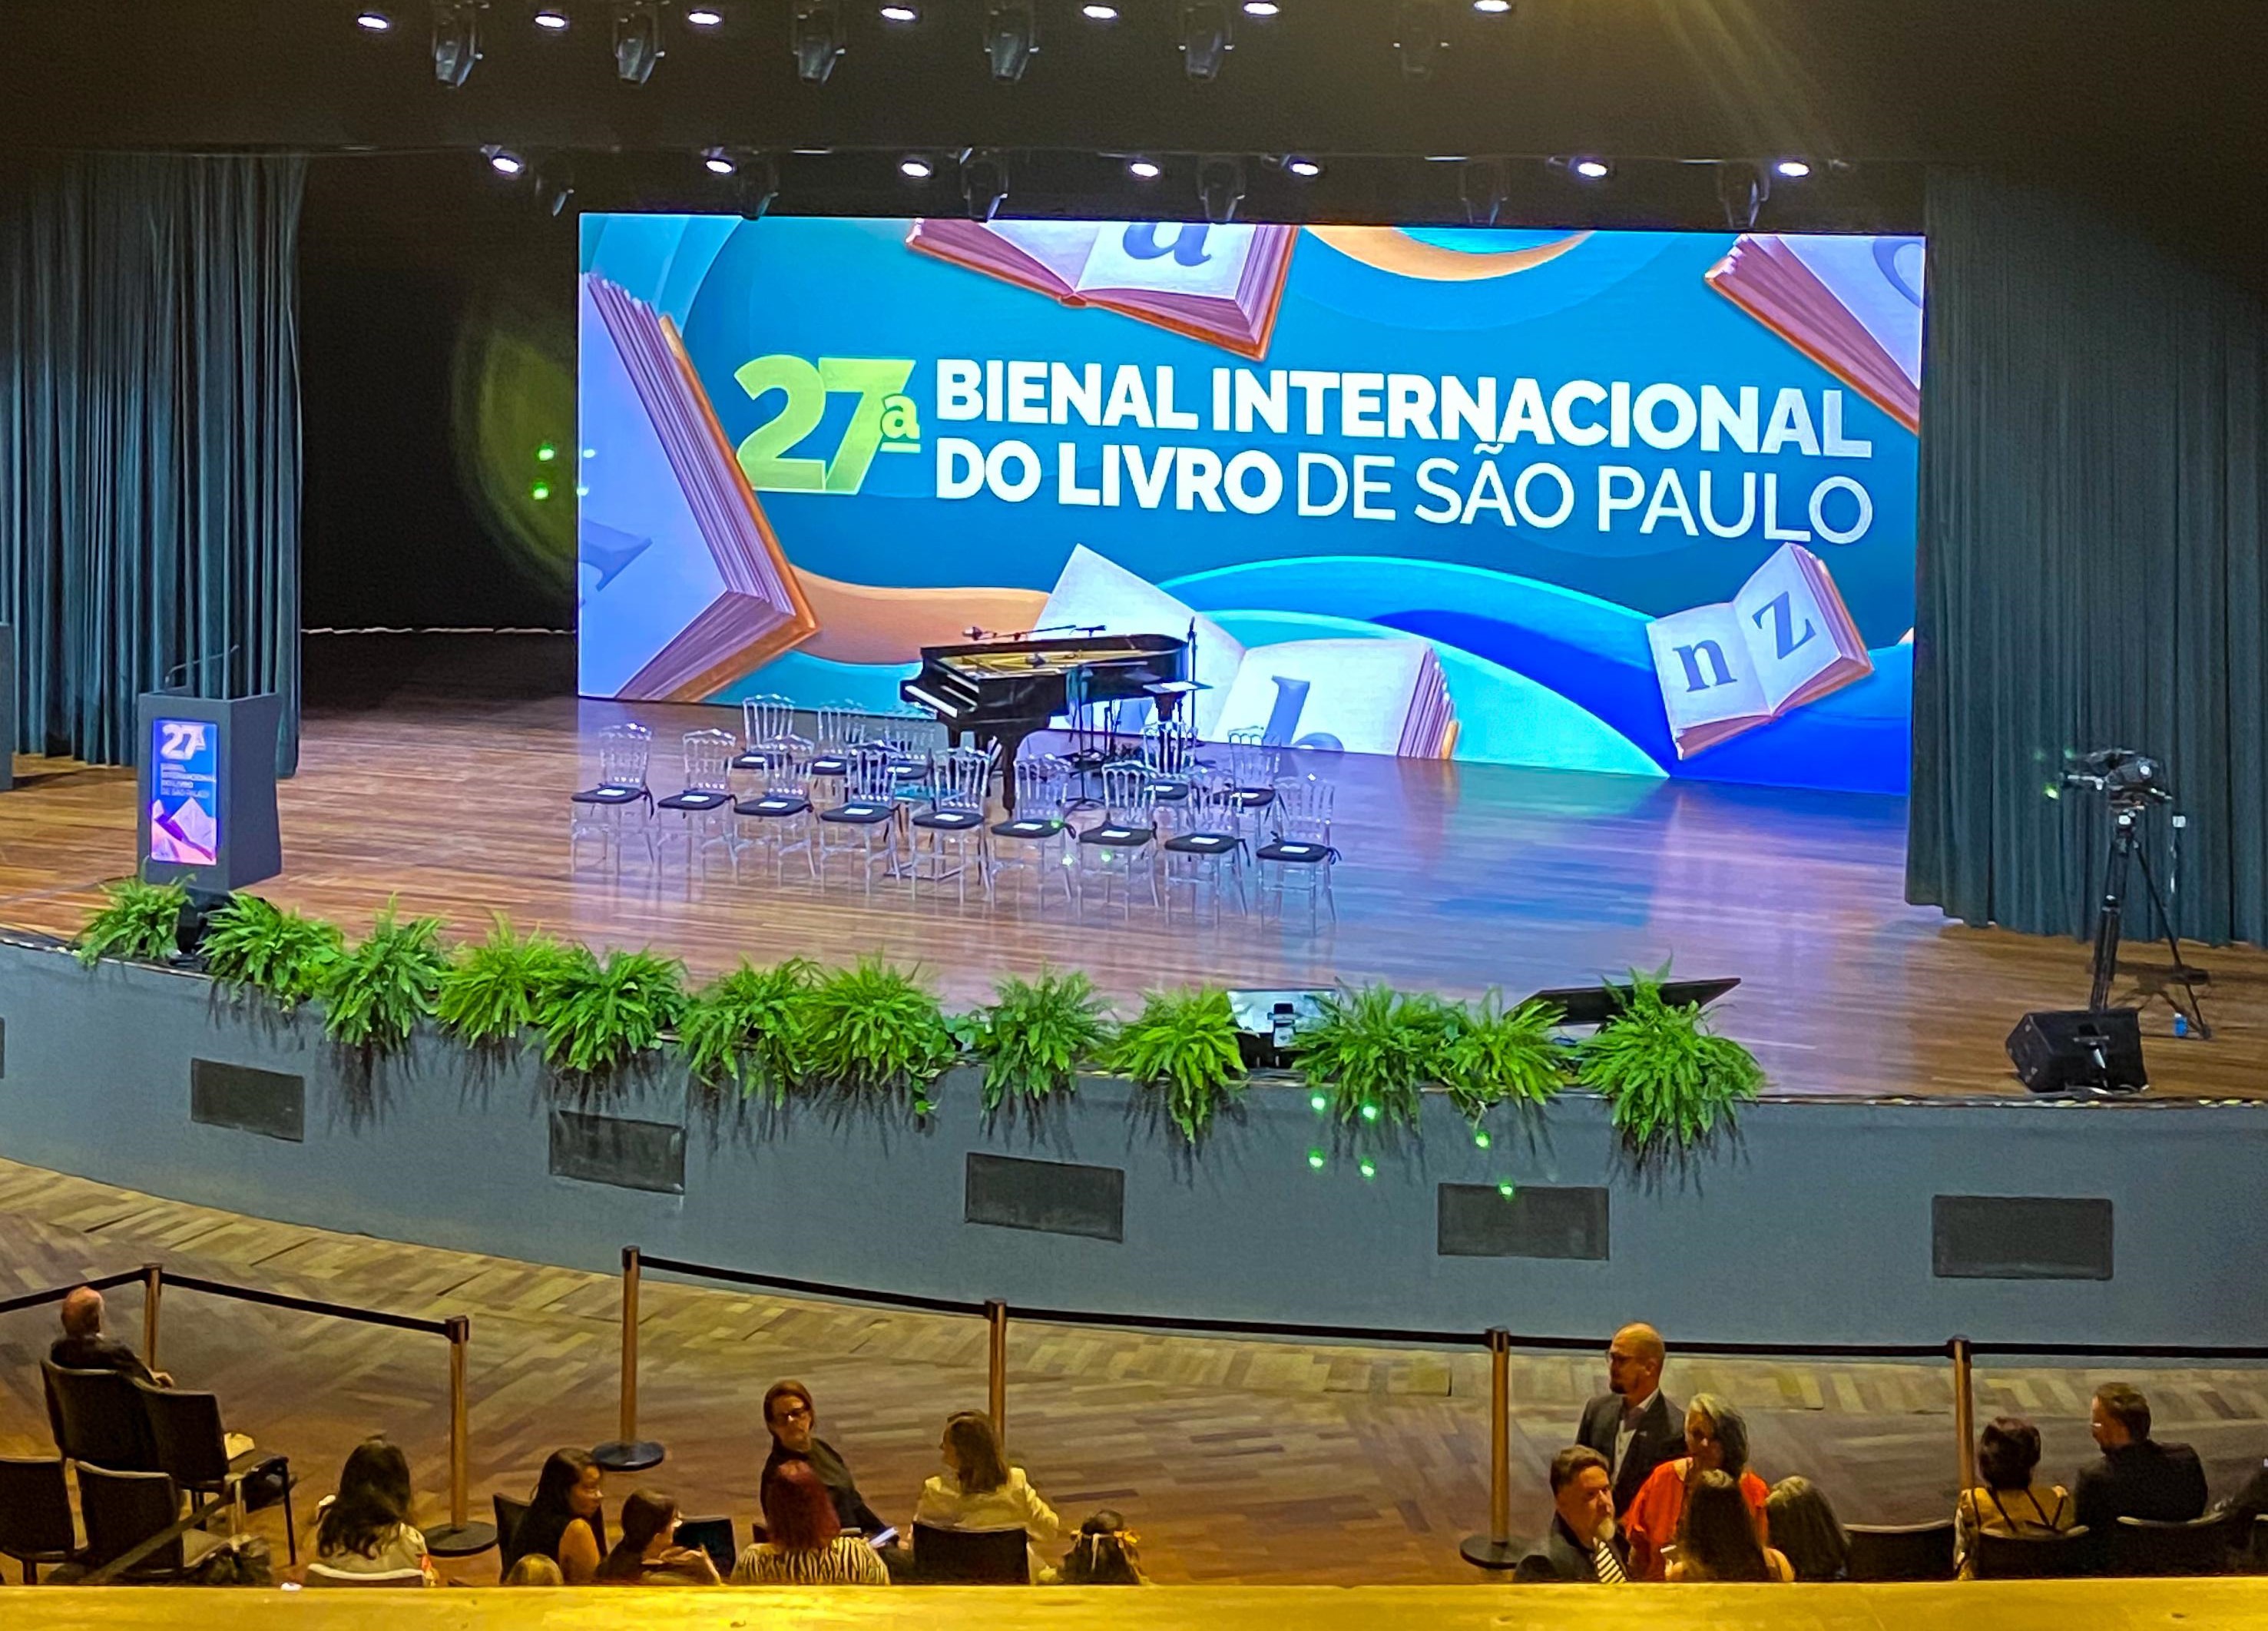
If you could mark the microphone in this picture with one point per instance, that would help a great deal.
(171, 684)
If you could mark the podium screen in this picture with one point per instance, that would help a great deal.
(185, 792)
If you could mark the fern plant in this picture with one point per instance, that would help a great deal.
(1667, 1077)
(1374, 1049)
(1496, 1055)
(1184, 1044)
(1034, 1034)
(876, 1028)
(494, 989)
(375, 993)
(598, 1014)
(254, 943)
(135, 920)
(750, 1028)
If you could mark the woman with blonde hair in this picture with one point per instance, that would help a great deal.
(978, 1489)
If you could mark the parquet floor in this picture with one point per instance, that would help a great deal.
(1239, 1462)
(1455, 877)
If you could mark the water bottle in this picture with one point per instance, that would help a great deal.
(2181, 1024)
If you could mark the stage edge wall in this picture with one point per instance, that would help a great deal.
(1818, 1221)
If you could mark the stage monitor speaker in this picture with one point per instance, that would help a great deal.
(1268, 1022)
(2065, 1050)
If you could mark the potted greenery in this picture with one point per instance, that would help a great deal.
(750, 1028)
(598, 1014)
(136, 919)
(1035, 1034)
(877, 1029)
(253, 944)
(1667, 1076)
(1496, 1055)
(1374, 1051)
(375, 993)
(494, 989)
(1183, 1043)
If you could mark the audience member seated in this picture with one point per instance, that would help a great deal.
(793, 1422)
(1716, 1535)
(648, 1553)
(980, 1490)
(366, 1530)
(808, 1545)
(1581, 1545)
(1806, 1530)
(85, 1346)
(1716, 1441)
(565, 1519)
(535, 1570)
(1104, 1555)
(1633, 1424)
(2136, 1475)
(2007, 1500)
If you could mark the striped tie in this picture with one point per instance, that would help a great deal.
(1609, 1566)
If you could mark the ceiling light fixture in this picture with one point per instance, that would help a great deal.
(1492, 8)
(1306, 169)
(899, 14)
(705, 16)
(1011, 38)
(1421, 34)
(1482, 188)
(1144, 169)
(637, 40)
(369, 19)
(985, 181)
(914, 168)
(553, 18)
(1793, 169)
(1262, 8)
(1208, 35)
(815, 36)
(504, 161)
(1096, 11)
(456, 41)
(1591, 169)
(1220, 185)
(717, 161)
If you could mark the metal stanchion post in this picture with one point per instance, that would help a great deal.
(995, 1389)
(1964, 1410)
(629, 1453)
(459, 1537)
(1497, 1549)
(154, 1289)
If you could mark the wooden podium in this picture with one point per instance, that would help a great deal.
(205, 768)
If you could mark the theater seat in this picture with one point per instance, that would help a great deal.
(1901, 1551)
(971, 1556)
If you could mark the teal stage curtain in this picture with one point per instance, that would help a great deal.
(149, 438)
(2094, 451)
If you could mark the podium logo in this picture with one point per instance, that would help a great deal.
(180, 740)
(801, 396)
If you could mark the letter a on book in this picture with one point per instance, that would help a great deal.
(1786, 640)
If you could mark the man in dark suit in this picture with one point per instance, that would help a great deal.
(2137, 1476)
(1581, 1545)
(85, 1346)
(1632, 1425)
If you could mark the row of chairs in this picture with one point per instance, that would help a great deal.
(2134, 1545)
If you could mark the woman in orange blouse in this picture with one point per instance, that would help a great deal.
(1716, 1441)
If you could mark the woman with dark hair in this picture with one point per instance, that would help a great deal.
(1804, 1527)
(980, 1490)
(1716, 1441)
(366, 1529)
(2005, 1501)
(1716, 1535)
(1104, 1555)
(565, 1520)
(808, 1546)
(648, 1553)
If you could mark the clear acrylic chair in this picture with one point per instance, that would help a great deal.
(1206, 852)
(916, 741)
(1169, 754)
(838, 728)
(778, 817)
(865, 822)
(1301, 855)
(1252, 766)
(1035, 840)
(620, 803)
(764, 721)
(703, 806)
(947, 835)
(1123, 844)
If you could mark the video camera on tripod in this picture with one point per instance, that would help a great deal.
(2122, 775)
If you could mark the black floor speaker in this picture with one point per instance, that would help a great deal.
(2064, 1051)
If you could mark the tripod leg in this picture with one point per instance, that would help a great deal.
(2195, 1013)
(2107, 918)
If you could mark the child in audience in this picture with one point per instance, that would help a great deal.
(1104, 1555)
(535, 1570)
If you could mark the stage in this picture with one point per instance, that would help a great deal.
(1456, 878)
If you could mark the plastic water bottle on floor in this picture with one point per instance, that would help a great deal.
(2181, 1024)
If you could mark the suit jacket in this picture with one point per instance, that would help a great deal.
(2146, 1479)
(1660, 1436)
(97, 1352)
(1566, 1558)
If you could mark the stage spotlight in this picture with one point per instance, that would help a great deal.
(504, 161)
(985, 181)
(1793, 169)
(456, 41)
(1221, 184)
(899, 14)
(552, 17)
(369, 19)
(1421, 34)
(1143, 169)
(914, 168)
(1481, 185)
(816, 37)
(755, 186)
(705, 16)
(637, 40)
(1096, 11)
(1306, 169)
(1011, 35)
(1208, 36)
(1591, 169)
(554, 180)
(717, 161)
(1741, 188)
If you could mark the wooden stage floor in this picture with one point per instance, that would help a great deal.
(1456, 878)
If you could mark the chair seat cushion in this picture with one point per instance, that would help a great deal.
(1256, 798)
(1167, 792)
(1119, 838)
(1297, 852)
(829, 764)
(772, 804)
(909, 770)
(1029, 827)
(694, 800)
(1204, 843)
(949, 821)
(749, 762)
(607, 795)
(861, 815)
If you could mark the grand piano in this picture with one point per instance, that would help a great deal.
(1006, 689)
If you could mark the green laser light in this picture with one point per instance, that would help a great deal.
(1480, 1140)
(1318, 1104)
(1315, 1159)
(1368, 1170)
(1370, 1112)
(546, 453)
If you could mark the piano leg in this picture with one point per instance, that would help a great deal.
(1010, 740)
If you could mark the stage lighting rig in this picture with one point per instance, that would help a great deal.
(1421, 34)
(637, 40)
(751, 179)
(1208, 34)
(815, 35)
(456, 41)
(985, 181)
(1012, 37)
(1220, 185)
(1742, 188)
(1481, 185)
(553, 180)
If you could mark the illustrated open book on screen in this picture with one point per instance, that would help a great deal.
(1785, 639)
(1220, 285)
(1853, 305)
(672, 549)
(1368, 696)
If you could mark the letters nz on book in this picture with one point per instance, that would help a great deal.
(1783, 640)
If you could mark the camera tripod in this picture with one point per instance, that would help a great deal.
(2126, 846)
